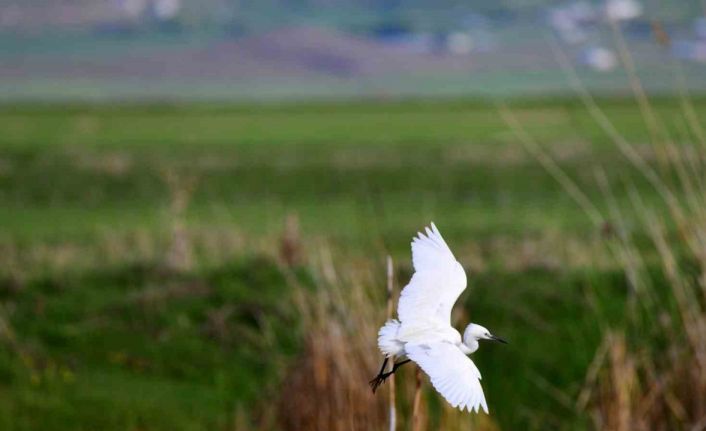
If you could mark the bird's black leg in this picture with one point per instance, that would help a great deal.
(381, 377)
(375, 382)
(384, 364)
(397, 365)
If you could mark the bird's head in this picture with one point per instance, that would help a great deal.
(474, 333)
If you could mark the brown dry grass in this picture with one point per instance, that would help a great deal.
(326, 388)
(650, 371)
(655, 378)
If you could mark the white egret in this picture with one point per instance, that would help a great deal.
(424, 334)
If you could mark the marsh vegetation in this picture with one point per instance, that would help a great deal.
(223, 267)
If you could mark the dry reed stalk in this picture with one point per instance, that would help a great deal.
(7, 332)
(656, 131)
(181, 189)
(417, 404)
(391, 381)
(624, 248)
(290, 250)
(660, 34)
(623, 377)
(587, 392)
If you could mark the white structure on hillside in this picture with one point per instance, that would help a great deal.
(599, 59)
(623, 10)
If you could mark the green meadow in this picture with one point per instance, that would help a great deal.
(141, 277)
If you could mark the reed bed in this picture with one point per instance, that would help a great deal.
(649, 372)
(326, 388)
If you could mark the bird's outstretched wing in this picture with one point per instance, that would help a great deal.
(435, 286)
(453, 374)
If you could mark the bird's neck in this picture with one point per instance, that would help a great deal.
(469, 346)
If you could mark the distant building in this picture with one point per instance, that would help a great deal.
(623, 10)
(599, 59)
(158, 10)
(166, 10)
(569, 21)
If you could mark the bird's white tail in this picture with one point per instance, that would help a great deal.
(387, 339)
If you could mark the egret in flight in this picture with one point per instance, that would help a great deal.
(424, 334)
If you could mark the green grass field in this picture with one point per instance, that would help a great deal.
(98, 332)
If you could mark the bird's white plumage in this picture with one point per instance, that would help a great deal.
(435, 286)
(424, 333)
(453, 374)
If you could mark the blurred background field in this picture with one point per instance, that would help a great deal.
(141, 247)
(197, 202)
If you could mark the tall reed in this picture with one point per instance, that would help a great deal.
(326, 388)
(649, 373)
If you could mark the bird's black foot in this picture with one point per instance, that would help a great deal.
(381, 377)
(378, 380)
